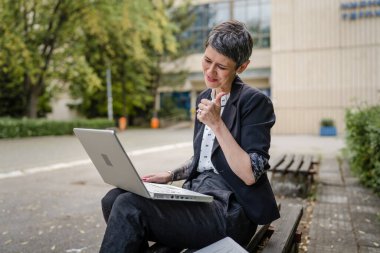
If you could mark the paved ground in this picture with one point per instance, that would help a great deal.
(50, 199)
(49, 192)
(346, 216)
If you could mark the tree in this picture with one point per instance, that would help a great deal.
(12, 94)
(41, 31)
(54, 45)
(183, 16)
(126, 37)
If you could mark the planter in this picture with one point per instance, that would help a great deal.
(327, 131)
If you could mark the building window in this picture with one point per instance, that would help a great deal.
(254, 13)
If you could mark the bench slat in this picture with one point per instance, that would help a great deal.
(306, 165)
(316, 159)
(277, 161)
(285, 164)
(286, 227)
(256, 239)
(294, 167)
(261, 231)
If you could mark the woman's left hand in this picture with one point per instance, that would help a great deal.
(160, 178)
(209, 111)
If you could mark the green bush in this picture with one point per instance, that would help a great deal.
(14, 128)
(326, 122)
(363, 143)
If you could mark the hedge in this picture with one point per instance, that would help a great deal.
(14, 128)
(363, 144)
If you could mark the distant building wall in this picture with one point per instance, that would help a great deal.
(322, 61)
(60, 110)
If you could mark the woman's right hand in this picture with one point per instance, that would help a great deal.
(160, 178)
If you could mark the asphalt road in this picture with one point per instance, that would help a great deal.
(50, 193)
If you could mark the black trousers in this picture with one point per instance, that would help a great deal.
(132, 220)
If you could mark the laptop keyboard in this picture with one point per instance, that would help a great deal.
(163, 189)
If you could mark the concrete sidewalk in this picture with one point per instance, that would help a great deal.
(346, 216)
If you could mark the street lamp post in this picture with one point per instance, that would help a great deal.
(109, 94)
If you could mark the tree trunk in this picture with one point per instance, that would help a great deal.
(33, 102)
(124, 95)
(47, 52)
(156, 84)
(32, 94)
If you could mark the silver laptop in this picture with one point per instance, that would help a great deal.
(115, 167)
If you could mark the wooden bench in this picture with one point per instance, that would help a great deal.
(280, 236)
(304, 164)
(285, 237)
(295, 171)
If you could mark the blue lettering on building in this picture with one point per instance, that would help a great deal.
(360, 9)
(369, 14)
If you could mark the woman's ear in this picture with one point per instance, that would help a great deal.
(243, 67)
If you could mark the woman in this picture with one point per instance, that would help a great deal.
(231, 144)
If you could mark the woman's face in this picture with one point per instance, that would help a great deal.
(219, 71)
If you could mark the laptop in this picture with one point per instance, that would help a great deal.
(114, 166)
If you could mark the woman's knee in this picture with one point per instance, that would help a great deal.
(108, 200)
(129, 199)
(110, 197)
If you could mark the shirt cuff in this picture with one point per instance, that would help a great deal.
(258, 163)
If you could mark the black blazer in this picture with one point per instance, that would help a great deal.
(249, 116)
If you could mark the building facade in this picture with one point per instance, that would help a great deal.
(313, 58)
(325, 59)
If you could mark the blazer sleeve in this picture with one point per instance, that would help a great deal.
(257, 119)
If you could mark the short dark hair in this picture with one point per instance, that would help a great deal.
(231, 39)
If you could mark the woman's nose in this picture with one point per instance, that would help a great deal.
(211, 69)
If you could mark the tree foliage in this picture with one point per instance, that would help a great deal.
(183, 16)
(65, 45)
(363, 143)
(32, 32)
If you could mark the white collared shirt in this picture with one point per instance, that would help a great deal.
(208, 140)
